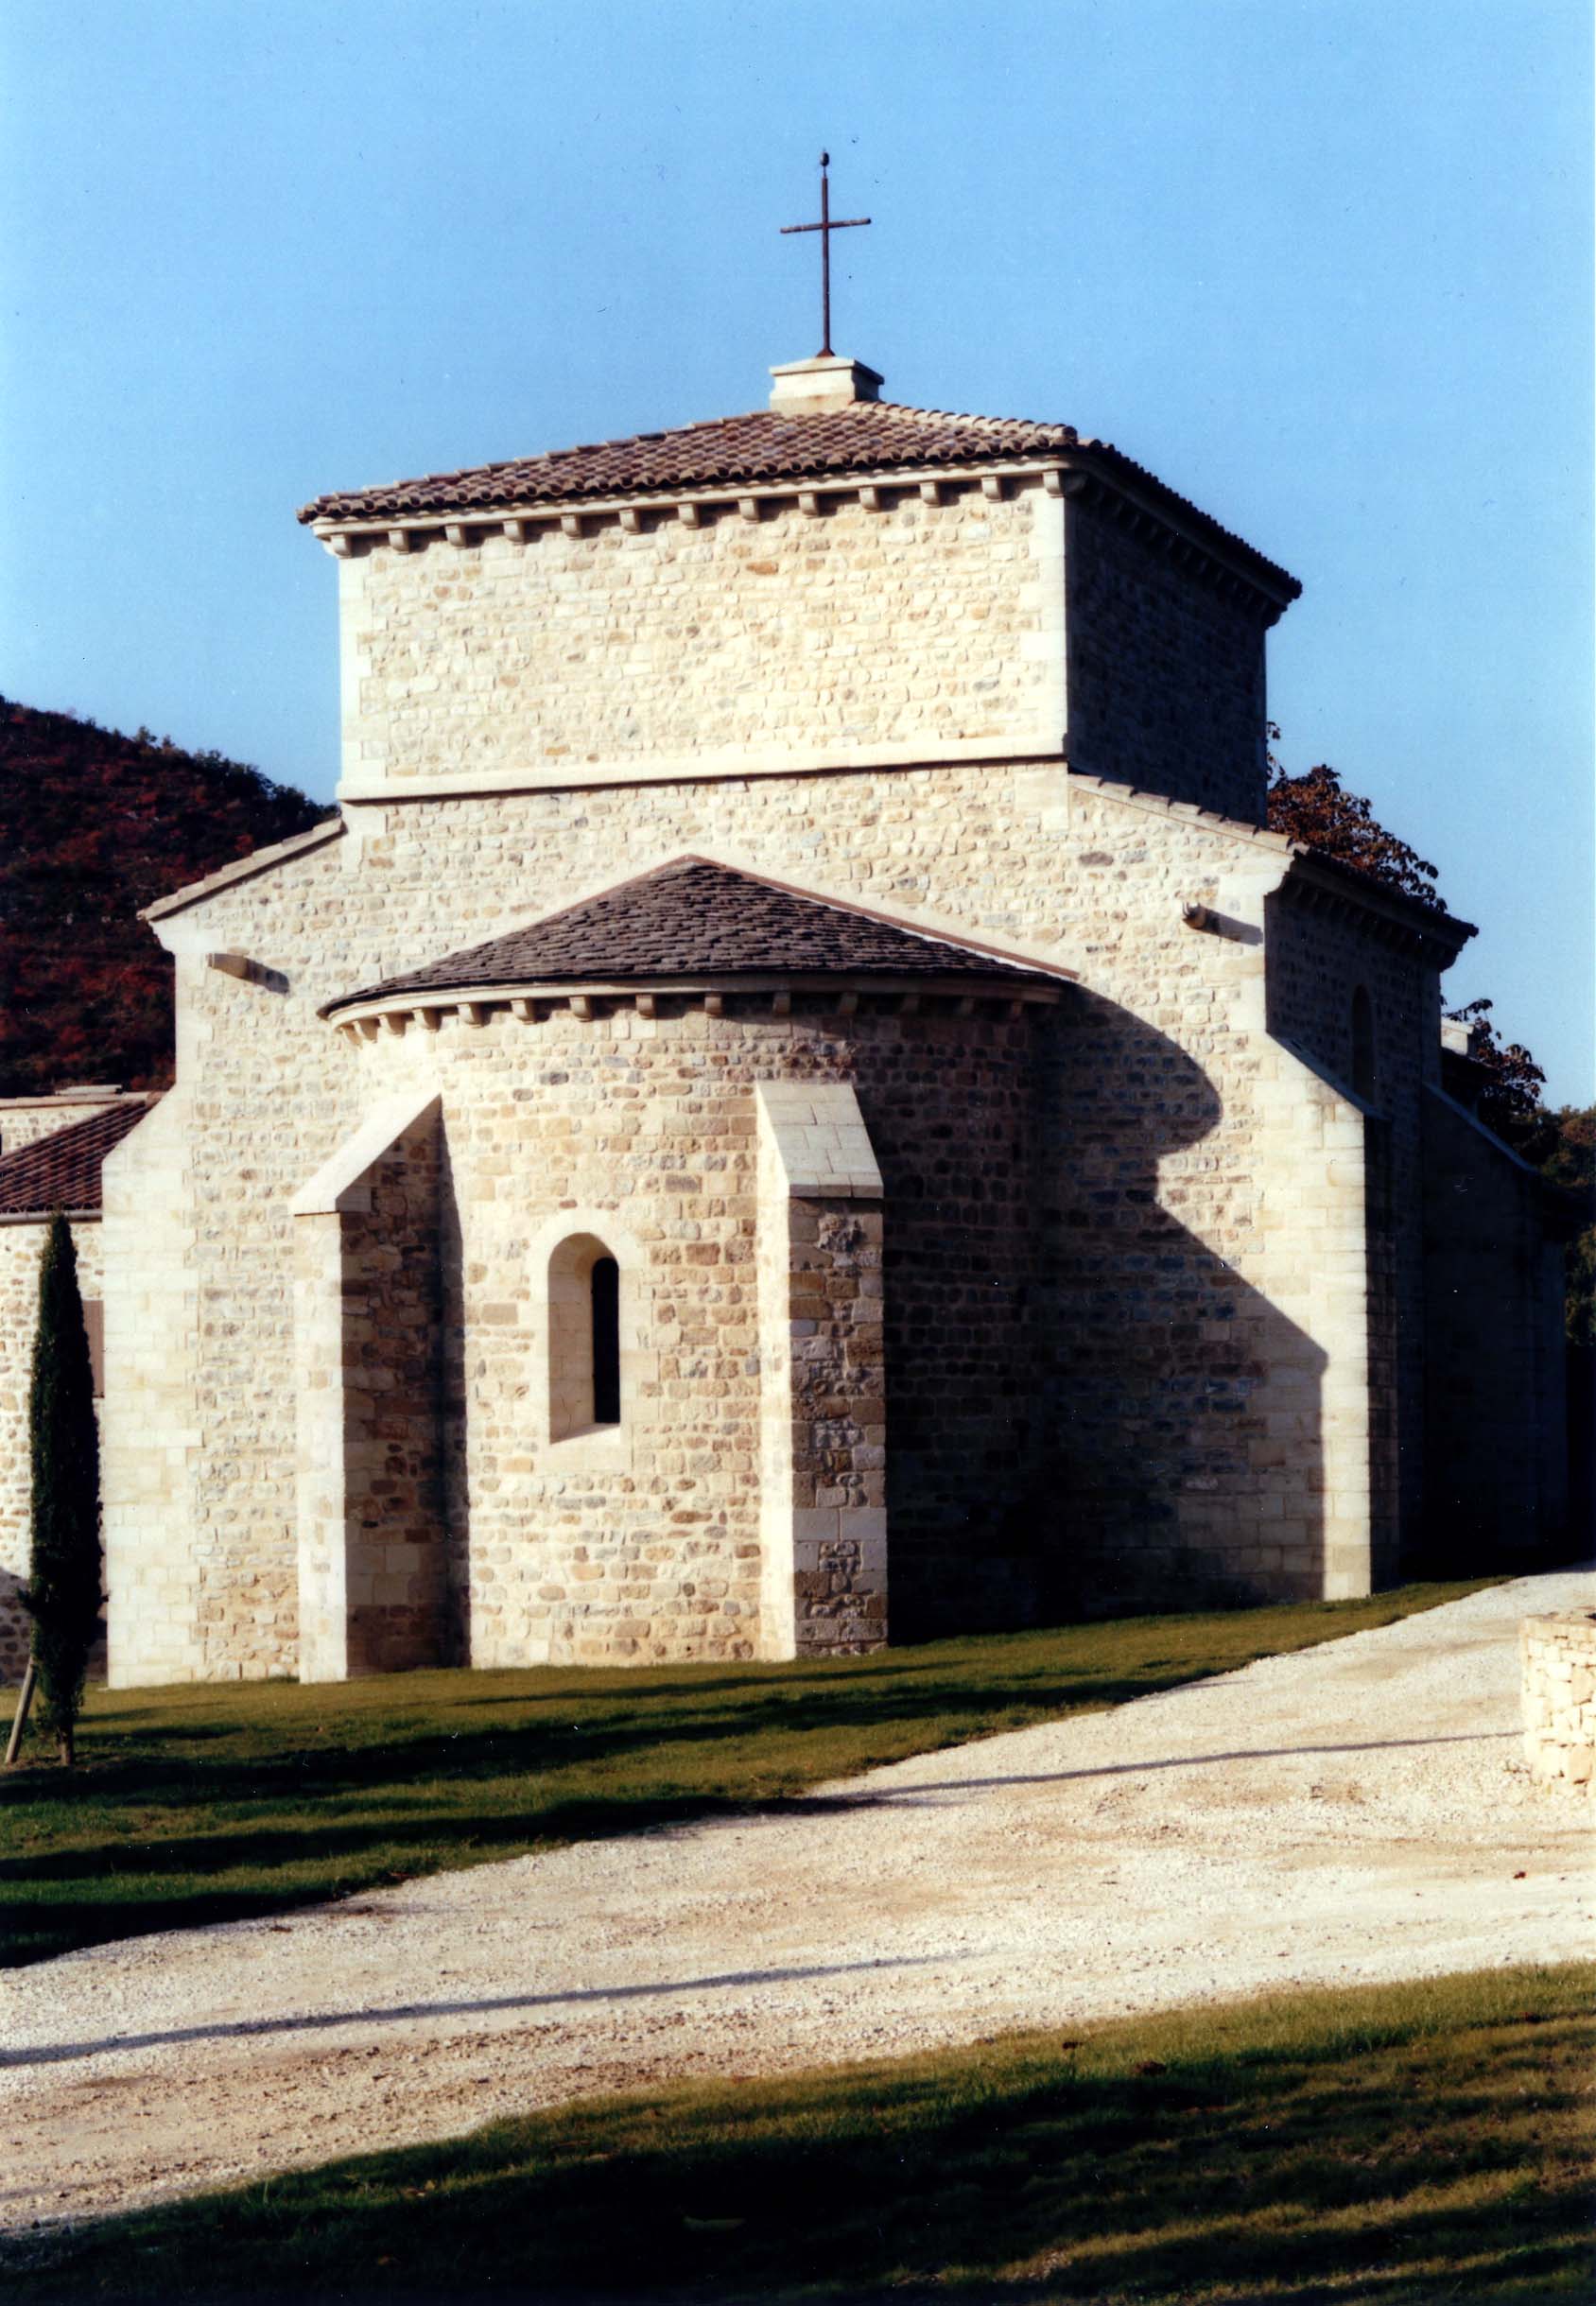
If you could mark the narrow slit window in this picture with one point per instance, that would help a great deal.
(584, 1338)
(604, 1285)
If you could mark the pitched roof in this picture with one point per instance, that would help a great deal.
(62, 1170)
(769, 446)
(695, 919)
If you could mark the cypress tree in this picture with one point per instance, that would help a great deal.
(64, 1594)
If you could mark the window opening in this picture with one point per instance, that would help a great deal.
(604, 1284)
(583, 1337)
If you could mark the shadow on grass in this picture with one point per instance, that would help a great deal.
(1396, 2164)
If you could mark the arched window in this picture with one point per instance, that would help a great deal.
(604, 1291)
(583, 1337)
(1363, 1043)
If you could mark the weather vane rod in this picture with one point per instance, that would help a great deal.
(827, 225)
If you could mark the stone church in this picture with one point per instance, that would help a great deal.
(796, 1105)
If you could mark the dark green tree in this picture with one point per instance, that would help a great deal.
(63, 1595)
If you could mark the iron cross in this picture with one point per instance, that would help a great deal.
(827, 225)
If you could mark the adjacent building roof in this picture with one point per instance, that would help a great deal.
(694, 919)
(772, 446)
(62, 1170)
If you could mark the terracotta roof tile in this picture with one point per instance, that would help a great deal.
(62, 1170)
(869, 437)
(695, 919)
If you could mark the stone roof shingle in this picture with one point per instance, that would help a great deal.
(695, 919)
(769, 446)
(62, 1170)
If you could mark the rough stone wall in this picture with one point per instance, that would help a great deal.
(1320, 951)
(1166, 674)
(178, 1536)
(1494, 1354)
(1559, 1686)
(913, 626)
(839, 1431)
(823, 1521)
(373, 1559)
(645, 1540)
(1173, 1179)
(21, 1248)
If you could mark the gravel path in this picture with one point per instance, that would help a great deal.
(1357, 1812)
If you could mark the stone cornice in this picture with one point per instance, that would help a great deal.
(1233, 568)
(843, 991)
(734, 762)
(1319, 884)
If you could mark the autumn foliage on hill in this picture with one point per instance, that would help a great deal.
(93, 826)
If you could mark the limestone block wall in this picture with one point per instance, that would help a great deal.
(1495, 1361)
(21, 1249)
(1323, 953)
(640, 1133)
(373, 1559)
(1166, 672)
(1166, 1310)
(914, 626)
(1559, 1695)
(823, 1373)
(180, 1607)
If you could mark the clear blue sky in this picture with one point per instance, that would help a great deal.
(1324, 265)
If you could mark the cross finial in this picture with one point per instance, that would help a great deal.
(827, 225)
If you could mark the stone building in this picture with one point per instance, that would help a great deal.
(796, 1103)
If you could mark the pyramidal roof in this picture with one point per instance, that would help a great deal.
(850, 435)
(694, 919)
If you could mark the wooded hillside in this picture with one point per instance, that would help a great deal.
(93, 826)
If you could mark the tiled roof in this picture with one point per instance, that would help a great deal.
(868, 437)
(694, 919)
(62, 1170)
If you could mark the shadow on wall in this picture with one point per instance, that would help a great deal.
(1159, 1439)
(452, 1410)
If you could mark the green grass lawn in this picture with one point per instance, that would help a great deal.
(211, 1802)
(1393, 2144)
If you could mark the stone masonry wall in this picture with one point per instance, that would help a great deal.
(839, 1429)
(1559, 1692)
(1176, 1187)
(1166, 674)
(913, 626)
(823, 1479)
(645, 1540)
(21, 1248)
(1320, 951)
(372, 1558)
(1495, 1363)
